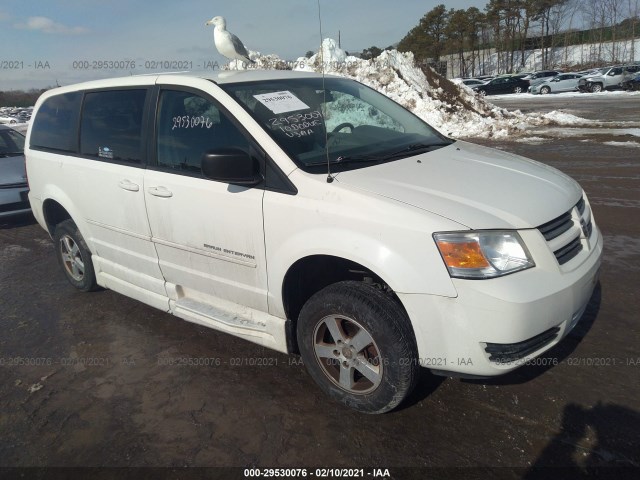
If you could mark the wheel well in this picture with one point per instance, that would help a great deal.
(311, 274)
(54, 213)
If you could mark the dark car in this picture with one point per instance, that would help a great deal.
(632, 84)
(502, 85)
(13, 178)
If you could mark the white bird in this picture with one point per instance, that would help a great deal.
(226, 42)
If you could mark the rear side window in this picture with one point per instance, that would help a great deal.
(56, 122)
(111, 126)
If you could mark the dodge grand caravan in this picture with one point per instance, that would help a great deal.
(315, 216)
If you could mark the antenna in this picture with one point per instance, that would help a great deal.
(324, 100)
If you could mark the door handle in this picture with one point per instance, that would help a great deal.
(160, 192)
(128, 185)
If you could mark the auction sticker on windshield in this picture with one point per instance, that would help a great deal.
(281, 102)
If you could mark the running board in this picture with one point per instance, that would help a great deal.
(247, 323)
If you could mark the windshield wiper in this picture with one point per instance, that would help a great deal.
(413, 148)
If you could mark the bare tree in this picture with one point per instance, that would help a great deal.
(633, 10)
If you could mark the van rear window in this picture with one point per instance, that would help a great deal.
(56, 123)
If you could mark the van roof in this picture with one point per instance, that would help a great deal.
(219, 77)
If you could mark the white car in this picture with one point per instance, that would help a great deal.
(565, 82)
(469, 82)
(313, 215)
(8, 120)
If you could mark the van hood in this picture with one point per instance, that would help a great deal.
(478, 187)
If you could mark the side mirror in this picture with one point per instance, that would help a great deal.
(231, 165)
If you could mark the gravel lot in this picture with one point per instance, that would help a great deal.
(85, 379)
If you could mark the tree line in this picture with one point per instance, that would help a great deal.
(510, 28)
(20, 98)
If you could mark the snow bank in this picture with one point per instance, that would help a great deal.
(454, 110)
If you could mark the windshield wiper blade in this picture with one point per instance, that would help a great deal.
(415, 147)
(380, 158)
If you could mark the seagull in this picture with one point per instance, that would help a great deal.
(226, 42)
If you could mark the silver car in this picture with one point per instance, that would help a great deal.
(13, 177)
(565, 82)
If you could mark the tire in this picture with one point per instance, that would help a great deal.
(545, 90)
(517, 90)
(74, 256)
(482, 93)
(358, 345)
(596, 88)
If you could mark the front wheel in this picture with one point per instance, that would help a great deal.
(596, 88)
(74, 256)
(545, 90)
(482, 93)
(517, 90)
(358, 345)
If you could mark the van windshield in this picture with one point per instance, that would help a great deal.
(343, 123)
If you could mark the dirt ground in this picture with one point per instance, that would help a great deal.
(86, 379)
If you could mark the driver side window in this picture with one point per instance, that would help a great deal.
(188, 125)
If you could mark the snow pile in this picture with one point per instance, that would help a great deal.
(454, 110)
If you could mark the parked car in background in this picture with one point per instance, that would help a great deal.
(469, 82)
(538, 77)
(632, 84)
(472, 82)
(8, 120)
(13, 178)
(608, 78)
(565, 82)
(502, 85)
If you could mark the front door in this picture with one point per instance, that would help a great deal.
(208, 235)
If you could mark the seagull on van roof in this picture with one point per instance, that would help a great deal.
(226, 42)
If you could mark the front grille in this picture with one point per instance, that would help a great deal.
(12, 207)
(509, 352)
(556, 227)
(566, 253)
(565, 233)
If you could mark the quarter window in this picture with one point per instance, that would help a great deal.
(55, 125)
(190, 125)
(111, 127)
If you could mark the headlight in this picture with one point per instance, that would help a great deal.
(483, 254)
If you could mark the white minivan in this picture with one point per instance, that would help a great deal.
(312, 215)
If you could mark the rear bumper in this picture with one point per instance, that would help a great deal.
(495, 326)
(14, 201)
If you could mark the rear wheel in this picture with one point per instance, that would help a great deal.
(482, 93)
(545, 90)
(517, 90)
(358, 345)
(74, 256)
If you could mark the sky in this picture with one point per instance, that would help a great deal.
(48, 42)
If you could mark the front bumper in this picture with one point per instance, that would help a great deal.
(494, 326)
